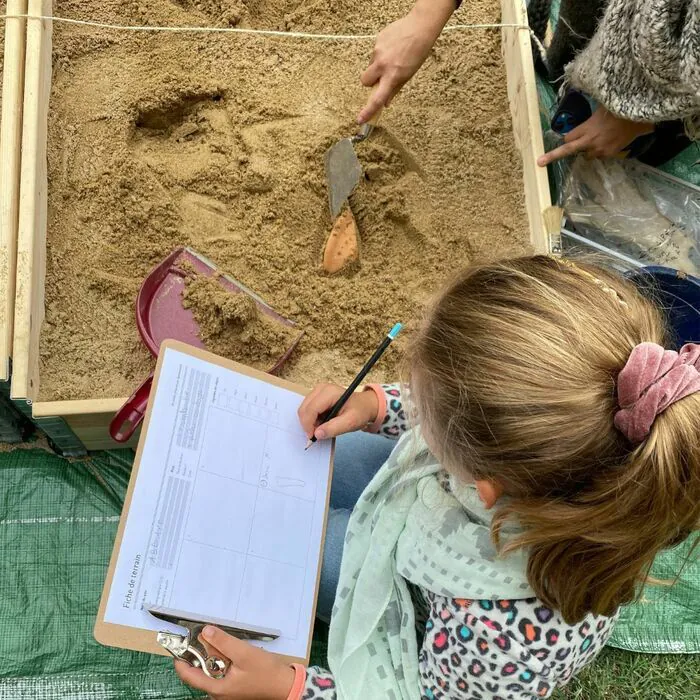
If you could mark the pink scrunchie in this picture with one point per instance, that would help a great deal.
(650, 382)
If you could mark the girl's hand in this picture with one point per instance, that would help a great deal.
(361, 409)
(400, 50)
(602, 135)
(254, 674)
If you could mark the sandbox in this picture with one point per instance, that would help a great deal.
(157, 140)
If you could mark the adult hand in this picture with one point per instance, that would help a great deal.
(254, 674)
(359, 410)
(602, 135)
(400, 50)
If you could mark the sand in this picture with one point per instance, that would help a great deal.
(232, 324)
(217, 142)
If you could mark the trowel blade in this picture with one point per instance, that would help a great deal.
(343, 172)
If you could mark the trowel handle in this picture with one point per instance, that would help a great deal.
(129, 416)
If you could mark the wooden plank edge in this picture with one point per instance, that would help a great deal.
(45, 409)
(10, 158)
(522, 96)
(93, 443)
(31, 236)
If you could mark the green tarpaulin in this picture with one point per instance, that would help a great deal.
(667, 619)
(57, 525)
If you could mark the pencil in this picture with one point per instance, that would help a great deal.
(329, 415)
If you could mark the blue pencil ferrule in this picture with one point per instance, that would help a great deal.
(395, 331)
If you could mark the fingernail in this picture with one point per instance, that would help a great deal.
(208, 632)
(320, 434)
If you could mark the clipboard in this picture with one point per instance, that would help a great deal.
(126, 637)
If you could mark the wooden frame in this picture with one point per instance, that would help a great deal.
(545, 221)
(10, 150)
(88, 420)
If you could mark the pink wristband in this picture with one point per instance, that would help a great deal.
(381, 412)
(299, 682)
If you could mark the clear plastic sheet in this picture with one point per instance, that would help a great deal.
(634, 210)
(668, 198)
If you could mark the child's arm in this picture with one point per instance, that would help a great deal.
(400, 50)
(392, 419)
(377, 409)
(258, 674)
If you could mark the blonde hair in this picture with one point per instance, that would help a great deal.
(514, 375)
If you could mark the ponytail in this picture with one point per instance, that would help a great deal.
(592, 552)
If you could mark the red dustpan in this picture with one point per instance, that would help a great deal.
(161, 316)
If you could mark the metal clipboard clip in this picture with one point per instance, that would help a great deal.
(188, 648)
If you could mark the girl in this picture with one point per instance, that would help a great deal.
(555, 453)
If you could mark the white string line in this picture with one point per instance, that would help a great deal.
(238, 30)
(265, 32)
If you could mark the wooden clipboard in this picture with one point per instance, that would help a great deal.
(124, 637)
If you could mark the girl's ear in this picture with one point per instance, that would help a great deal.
(489, 492)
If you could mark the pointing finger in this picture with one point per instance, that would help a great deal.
(568, 149)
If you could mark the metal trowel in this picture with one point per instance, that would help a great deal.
(343, 168)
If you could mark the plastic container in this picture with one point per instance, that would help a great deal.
(678, 294)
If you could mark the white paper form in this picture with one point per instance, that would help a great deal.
(227, 513)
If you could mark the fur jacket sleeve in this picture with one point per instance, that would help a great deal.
(643, 62)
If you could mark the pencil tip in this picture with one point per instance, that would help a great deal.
(308, 444)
